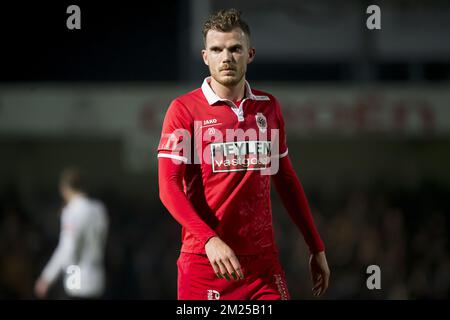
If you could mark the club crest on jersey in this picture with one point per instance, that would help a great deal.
(261, 122)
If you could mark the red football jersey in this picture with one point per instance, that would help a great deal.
(229, 151)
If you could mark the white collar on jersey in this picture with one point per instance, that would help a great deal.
(212, 98)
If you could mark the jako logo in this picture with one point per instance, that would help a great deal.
(210, 121)
(213, 295)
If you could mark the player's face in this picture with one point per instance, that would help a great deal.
(227, 55)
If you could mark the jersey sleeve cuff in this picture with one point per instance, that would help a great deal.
(317, 247)
(207, 237)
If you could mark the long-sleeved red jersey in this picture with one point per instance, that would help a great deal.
(216, 158)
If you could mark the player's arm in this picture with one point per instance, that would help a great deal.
(170, 176)
(294, 200)
(63, 255)
(173, 153)
(222, 258)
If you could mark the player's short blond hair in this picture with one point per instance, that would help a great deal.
(226, 21)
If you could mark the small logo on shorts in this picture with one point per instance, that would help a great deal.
(213, 295)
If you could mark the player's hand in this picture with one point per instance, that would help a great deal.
(320, 273)
(223, 260)
(41, 288)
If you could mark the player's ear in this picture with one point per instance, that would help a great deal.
(205, 56)
(251, 54)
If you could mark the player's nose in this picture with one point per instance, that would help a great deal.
(227, 56)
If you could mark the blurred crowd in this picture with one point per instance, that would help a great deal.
(403, 231)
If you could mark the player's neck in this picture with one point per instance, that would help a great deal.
(234, 93)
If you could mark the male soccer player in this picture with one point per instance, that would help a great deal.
(81, 246)
(213, 160)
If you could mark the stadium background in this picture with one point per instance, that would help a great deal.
(367, 114)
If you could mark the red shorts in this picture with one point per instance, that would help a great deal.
(264, 279)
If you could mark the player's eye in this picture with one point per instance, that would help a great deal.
(236, 49)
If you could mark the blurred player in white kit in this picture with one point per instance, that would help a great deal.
(82, 242)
